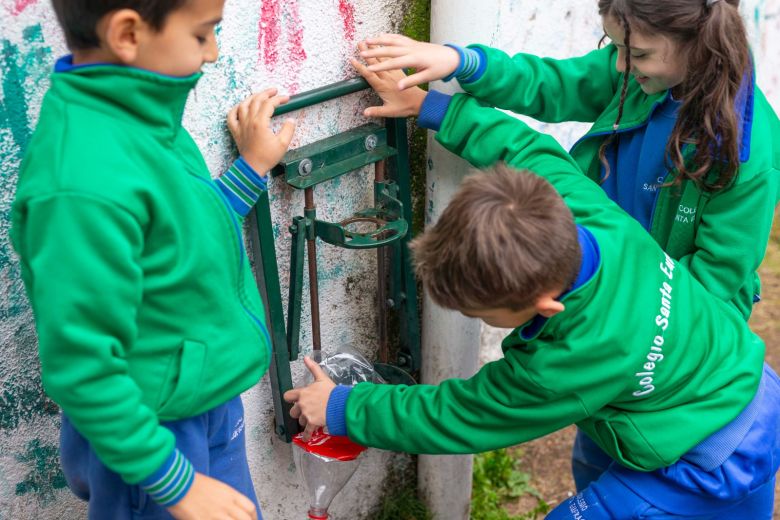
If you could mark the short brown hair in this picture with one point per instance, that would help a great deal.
(79, 18)
(505, 238)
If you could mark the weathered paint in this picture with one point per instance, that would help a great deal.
(269, 31)
(21, 5)
(45, 476)
(347, 11)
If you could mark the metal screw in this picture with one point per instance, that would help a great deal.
(280, 430)
(371, 142)
(305, 167)
(390, 302)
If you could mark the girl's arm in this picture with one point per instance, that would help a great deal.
(550, 90)
(731, 239)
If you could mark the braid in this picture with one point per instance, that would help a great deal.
(624, 89)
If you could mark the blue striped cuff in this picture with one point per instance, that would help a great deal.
(336, 412)
(168, 485)
(433, 110)
(473, 63)
(242, 186)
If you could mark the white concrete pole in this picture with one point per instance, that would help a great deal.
(450, 341)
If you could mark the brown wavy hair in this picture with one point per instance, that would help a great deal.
(714, 40)
(504, 239)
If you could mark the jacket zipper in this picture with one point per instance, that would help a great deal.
(237, 230)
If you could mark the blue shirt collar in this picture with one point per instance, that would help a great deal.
(65, 64)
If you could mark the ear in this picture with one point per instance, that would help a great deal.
(121, 33)
(547, 305)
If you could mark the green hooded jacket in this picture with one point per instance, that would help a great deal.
(145, 305)
(643, 358)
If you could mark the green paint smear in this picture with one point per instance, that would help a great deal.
(22, 399)
(45, 476)
(17, 66)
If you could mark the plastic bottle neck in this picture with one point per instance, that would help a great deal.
(318, 514)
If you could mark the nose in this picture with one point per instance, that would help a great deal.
(211, 52)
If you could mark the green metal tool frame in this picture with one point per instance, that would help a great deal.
(305, 168)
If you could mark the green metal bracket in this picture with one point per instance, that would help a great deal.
(329, 158)
(388, 232)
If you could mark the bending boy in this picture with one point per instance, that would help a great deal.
(610, 334)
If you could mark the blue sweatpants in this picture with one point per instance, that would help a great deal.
(213, 442)
(739, 488)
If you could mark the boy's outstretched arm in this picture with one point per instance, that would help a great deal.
(502, 405)
(259, 147)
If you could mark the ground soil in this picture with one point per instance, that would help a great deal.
(548, 459)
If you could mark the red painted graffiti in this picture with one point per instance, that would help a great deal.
(297, 52)
(347, 11)
(269, 30)
(280, 39)
(21, 5)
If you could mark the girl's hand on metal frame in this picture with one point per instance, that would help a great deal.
(430, 61)
(395, 102)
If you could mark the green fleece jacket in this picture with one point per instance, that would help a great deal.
(643, 358)
(724, 242)
(145, 306)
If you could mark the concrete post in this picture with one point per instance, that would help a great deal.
(450, 340)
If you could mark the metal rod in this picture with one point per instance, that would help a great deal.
(381, 267)
(322, 94)
(311, 248)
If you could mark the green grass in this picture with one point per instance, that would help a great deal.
(498, 480)
(404, 505)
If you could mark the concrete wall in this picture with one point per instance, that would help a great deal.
(562, 28)
(296, 45)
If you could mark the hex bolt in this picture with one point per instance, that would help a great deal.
(305, 167)
(390, 303)
(371, 142)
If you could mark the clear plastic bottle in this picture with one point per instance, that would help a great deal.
(327, 462)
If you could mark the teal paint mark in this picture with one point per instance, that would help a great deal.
(45, 476)
(18, 66)
(334, 272)
(22, 399)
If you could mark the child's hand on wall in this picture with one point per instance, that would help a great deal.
(210, 499)
(396, 103)
(431, 61)
(311, 402)
(250, 124)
